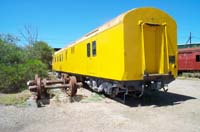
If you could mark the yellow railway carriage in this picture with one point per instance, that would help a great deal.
(135, 51)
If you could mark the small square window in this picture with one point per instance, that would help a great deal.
(94, 52)
(197, 58)
(172, 59)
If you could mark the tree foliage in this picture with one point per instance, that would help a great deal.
(19, 64)
(40, 51)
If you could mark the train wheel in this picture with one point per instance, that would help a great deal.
(39, 90)
(38, 83)
(65, 78)
(73, 86)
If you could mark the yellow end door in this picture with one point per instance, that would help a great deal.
(155, 51)
(152, 47)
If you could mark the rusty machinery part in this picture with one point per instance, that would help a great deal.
(72, 86)
(65, 77)
(31, 83)
(67, 83)
(39, 90)
(44, 82)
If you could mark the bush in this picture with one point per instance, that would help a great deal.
(20, 64)
(32, 67)
(40, 51)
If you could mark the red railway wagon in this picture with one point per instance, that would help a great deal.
(189, 59)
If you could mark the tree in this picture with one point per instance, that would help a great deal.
(29, 34)
(19, 64)
(42, 51)
(9, 38)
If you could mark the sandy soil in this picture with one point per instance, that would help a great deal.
(175, 111)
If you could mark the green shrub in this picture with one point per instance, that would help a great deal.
(19, 64)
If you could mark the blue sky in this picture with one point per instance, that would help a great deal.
(60, 22)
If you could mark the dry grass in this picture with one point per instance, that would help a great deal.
(93, 98)
(14, 99)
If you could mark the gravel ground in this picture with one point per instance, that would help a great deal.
(178, 110)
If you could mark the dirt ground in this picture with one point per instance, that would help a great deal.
(175, 111)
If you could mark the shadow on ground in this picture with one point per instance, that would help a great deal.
(158, 99)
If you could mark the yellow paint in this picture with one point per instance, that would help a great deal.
(138, 41)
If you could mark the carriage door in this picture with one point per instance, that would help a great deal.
(91, 54)
(88, 63)
(152, 42)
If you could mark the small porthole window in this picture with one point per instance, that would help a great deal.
(88, 50)
(197, 58)
(94, 51)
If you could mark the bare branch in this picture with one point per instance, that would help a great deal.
(29, 34)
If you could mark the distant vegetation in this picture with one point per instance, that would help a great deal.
(18, 64)
(190, 74)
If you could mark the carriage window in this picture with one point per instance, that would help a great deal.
(197, 58)
(88, 50)
(94, 52)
